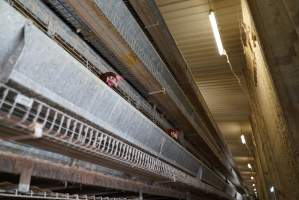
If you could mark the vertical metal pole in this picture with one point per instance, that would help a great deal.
(25, 178)
(140, 195)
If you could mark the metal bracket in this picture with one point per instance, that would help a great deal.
(161, 146)
(158, 91)
(152, 25)
(51, 30)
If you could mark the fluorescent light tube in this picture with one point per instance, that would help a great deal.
(243, 139)
(216, 33)
(249, 166)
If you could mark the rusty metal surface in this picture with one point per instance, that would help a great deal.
(13, 163)
(53, 196)
(63, 168)
(15, 147)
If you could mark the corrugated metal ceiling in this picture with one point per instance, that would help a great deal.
(188, 22)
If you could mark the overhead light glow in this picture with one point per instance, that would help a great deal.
(216, 33)
(253, 185)
(254, 189)
(272, 189)
(243, 139)
(249, 166)
(251, 178)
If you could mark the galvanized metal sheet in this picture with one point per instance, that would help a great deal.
(46, 69)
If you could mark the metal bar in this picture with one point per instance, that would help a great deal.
(51, 196)
(9, 163)
(25, 178)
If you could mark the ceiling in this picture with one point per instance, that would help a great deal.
(188, 22)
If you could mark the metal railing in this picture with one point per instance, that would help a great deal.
(50, 195)
(45, 121)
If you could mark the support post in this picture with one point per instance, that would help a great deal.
(140, 195)
(25, 178)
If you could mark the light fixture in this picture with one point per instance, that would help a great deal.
(243, 140)
(253, 185)
(272, 189)
(249, 166)
(251, 178)
(254, 189)
(216, 33)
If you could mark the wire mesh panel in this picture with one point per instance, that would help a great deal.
(62, 80)
(45, 121)
(69, 40)
(55, 196)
